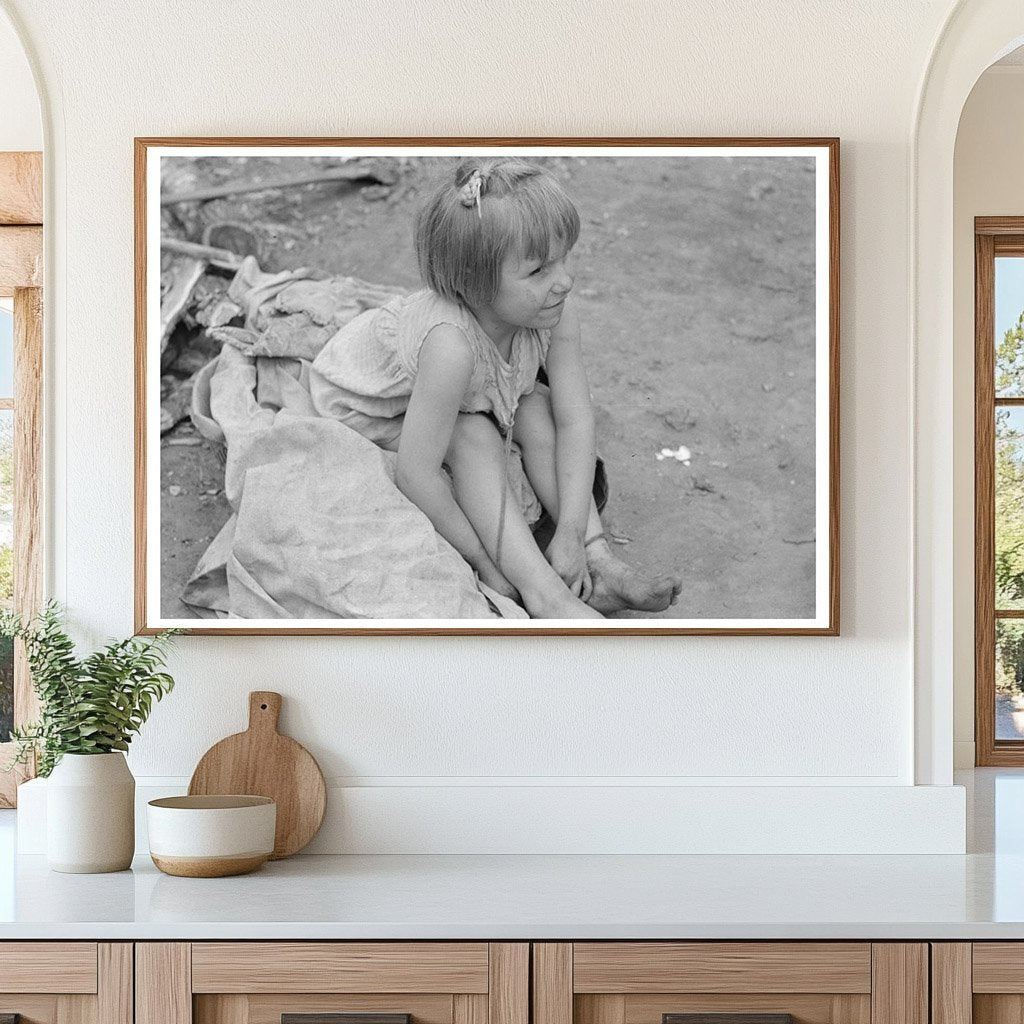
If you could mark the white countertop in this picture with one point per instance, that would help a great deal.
(976, 896)
(517, 897)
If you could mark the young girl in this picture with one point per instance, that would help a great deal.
(447, 377)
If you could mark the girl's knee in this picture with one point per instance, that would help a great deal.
(475, 434)
(535, 424)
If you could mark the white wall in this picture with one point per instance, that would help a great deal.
(21, 127)
(987, 182)
(450, 713)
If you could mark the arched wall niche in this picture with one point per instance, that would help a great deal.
(976, 34)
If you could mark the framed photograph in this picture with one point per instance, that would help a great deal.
(491, 386)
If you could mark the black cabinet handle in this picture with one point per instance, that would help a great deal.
(727, 1018)
(337, 1018)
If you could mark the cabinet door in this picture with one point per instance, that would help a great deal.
(332, 983)
(980, 982)
(730, 983)
(66, 982)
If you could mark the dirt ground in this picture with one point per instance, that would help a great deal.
(695, 288)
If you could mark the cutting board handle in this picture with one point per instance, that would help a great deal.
(264, 710)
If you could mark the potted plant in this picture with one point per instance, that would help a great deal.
(89, 709)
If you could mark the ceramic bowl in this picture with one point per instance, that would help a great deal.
(211, 836)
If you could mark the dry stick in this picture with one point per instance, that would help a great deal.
(223, 258)
(368, 292)
(219, 191)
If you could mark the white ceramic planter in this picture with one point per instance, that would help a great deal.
(90, 814)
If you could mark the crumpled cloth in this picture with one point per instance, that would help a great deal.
(318, 528)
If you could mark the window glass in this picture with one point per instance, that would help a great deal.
(1009, 327)
(6, 568)
(6, 353)
(1009, 526)
(1009, 679)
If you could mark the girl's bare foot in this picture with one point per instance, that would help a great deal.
(618, 587)
(557, 606)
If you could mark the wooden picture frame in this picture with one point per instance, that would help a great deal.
(800, 599)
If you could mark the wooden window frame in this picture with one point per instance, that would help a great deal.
(21, 278)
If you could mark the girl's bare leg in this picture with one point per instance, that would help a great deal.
(476, 458)
(617, 586)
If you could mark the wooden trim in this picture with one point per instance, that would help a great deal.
(552, 983)
(997, 967)
(69, 968)
(951, 983)
(202, 628)
(999, 226)
(21, 188)
(1008, 245)
(28, 482)
(899, 983)
(11, 780)
(75, 1009)
(28, 502)
(163, 983)
(140, 390)
(21, 271)
(636, 967)
(339, 967)
(232, 1009)
(21, 259)
(984, 501)
(605, 1009)
(830, 142)
(115, 983)
(833, 396)
(469, 1009)
(994, 236)
(508, 989)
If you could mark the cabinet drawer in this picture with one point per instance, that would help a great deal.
(66, 982)
(65, 967)
(634, 967)
(730, 983)
(332, 983)
(340, 967)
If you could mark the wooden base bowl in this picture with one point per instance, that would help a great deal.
(211, 836)
(208, 867)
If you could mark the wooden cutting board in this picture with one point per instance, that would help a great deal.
(262, 762)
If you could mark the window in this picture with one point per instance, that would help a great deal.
(20, 430)
(999, 490)
(6, 510)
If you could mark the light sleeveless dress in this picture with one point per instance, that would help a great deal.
(364, 375)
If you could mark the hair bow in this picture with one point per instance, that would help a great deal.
(469, 194)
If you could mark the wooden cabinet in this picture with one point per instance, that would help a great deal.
(494, 983)
(264, 982)
(663, 982)
(977, 982)
(66, 982)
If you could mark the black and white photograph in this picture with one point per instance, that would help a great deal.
(401, 386)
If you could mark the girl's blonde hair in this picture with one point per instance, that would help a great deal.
(514, 207)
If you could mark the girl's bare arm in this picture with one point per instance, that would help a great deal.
(575, 439)
(443, 373)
